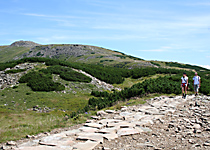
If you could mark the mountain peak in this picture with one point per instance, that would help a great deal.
(24, 44)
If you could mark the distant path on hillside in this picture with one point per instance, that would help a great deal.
(97, 82)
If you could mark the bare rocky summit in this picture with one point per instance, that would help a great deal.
(24, 44)
(63, 50)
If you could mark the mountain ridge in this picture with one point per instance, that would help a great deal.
(83, 54)
(71, 53)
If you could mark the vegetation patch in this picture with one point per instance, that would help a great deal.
(106, 60)
(66, 74)
(41, 82)
(188, 66)
(15, 71)
(154, 63)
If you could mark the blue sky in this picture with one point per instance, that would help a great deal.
(153, 30)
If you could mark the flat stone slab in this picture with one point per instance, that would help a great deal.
(127, 131)
(88, 129)
(107, 131)
(95, 117)
(118, 118)
(88, 145)
(97, 137)
(111, 136)
(45, 148)
(145, 129)
(94, 125)
(71, 132)
(29, 143)
(125, 114)
(110, 111)
(64, 142)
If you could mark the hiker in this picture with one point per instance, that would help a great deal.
(196, 83)
(184, 84)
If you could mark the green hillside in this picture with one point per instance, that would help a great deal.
(56, 84)
(8, 53)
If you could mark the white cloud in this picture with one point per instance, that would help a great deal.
(162, 49)
(198, 3)
(153, 50)
(48, 16)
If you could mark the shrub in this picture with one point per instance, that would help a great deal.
(15, 71)
(41, 82)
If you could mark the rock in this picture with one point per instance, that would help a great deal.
(94, 125)
(127, 131)
(48, 144)
(170, 125)
(12, 143)
(105, 148)
(206, 144)
(191, 141)
(110, 111)
(101, 113)
(95, 117)
(88, 129)
(88, 145)
(28, 136)
(97, 137)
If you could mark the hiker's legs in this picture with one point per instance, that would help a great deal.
(185, 90)
(196, 86)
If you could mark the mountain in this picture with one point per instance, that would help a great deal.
(83, 54)
(70, 53)
(43, 87)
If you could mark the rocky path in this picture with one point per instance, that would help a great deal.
(97, 82)
(161, 123)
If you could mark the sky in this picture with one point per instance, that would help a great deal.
(164, 30)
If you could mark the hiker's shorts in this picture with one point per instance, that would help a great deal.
(184, 84)
(196, 87)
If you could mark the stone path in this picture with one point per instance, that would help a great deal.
(97, 82)
(132, 127)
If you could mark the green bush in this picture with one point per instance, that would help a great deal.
(15, 71)
(41, 82)
(67, 74)
(159, 85)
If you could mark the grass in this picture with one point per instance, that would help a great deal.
(136, 101)
(8, 53)
(130, 82)
(18, 125)
(18, 120)
(23, 98)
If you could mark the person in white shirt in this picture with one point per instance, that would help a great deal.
(184, 84)
(196, 83)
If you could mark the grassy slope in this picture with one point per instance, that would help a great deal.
(130, 82)
(16, 121)
(8, 53)
(17, 118)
